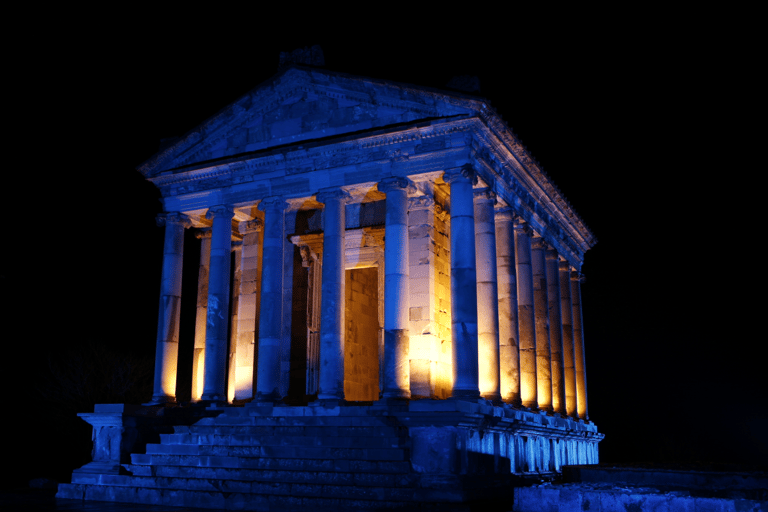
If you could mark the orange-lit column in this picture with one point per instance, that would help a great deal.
(555, 331)
(397, 376)
(247, 309)
(167, 351)
(543, 356)
(463, 284)
(217, 315)
(332, 296)
(566, 313)
(487, 295)
(271, 314)
(525, 315)
(509, 357)
(578, 347)
(198, 354)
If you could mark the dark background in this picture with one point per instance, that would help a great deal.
(627, 118)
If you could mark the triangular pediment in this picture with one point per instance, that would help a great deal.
(301, 105)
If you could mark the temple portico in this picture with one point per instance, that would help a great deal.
(512, 297)
(376, 257)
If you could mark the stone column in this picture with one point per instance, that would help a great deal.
(543, 356)
(555, 332)
(167, 352)
(509, 356)
(217, 317)
(424, 342)
(397, 375)
(247, 308)
(234, 322)
(332, 296)
(525, 315)
(578, 347)
(463, 284)
(270, 316)
(198, 354)
(487, 295)
(566, 312)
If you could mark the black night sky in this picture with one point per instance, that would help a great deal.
(614, 115)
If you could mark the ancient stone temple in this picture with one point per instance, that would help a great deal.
(388, 308)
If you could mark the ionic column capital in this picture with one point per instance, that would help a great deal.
(563, 265)
(220, 210)
(392, 183)
(250, 226)
(505, 213)
(173, 218)
(577, 276)
(203, 233)
(551, 254)
(537, 242)
(484, 194)
(465, 172)
(273, 204)
(522, 227)
(421, 203)
(332, 194)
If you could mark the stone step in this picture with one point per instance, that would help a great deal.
(319, 421)
(362, 476)
(295, 430)
(283, 440)
(250, 487)
(274, 463)
(316, 498)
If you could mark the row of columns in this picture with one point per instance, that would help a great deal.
(515, 308)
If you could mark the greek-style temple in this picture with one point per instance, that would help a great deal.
(388, 309)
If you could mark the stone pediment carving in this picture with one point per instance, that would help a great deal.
(303, 104)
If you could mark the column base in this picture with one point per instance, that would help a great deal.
(494, 398)
(161, 400)
(465, 394)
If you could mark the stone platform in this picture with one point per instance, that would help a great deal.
(260, 457)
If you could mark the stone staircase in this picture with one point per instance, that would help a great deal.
(306, 458)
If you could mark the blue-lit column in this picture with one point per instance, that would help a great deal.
(487, 295)
(525, 315)
(167, 351)
(578, 347)
(463, 283)
(566, 314)
(217, 315)
(397, 375)
(271, 312)
(543, 356)
(507, 288)
(555, 332)
(332, 296)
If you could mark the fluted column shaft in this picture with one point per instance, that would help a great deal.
(487, 295)
(566, 312)
(555, 332)
(270, 315)
(578, 347)
(167, 348)
(525, 316)
(198, 355)
(217, 315)
(543, 355)
(396, 340)
(332, 296)
(463, 284)
(509, 358)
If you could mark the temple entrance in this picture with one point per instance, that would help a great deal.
(361, 338)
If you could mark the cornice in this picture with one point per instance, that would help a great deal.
(285, 158)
